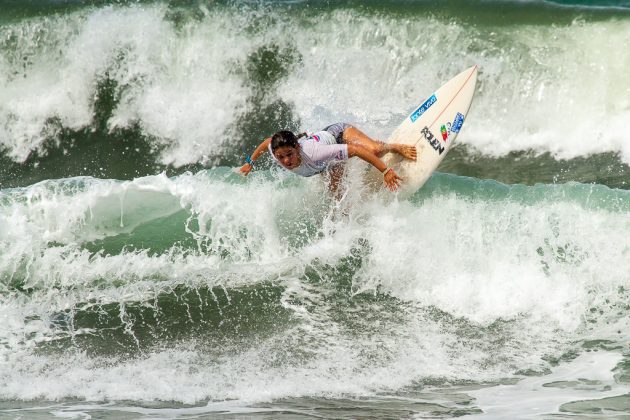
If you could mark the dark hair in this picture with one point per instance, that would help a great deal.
(285, 138)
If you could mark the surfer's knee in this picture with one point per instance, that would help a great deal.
(380, 148)
(350, 133)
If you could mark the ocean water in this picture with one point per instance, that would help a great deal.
(141, 277)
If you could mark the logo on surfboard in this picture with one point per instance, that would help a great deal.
(433, 142)
(457, 123)
(454, 127)
(423, 108)
(444, 132)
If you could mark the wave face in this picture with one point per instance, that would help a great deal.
(158, 86)
(198, 292)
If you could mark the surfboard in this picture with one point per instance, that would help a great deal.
(432, 127)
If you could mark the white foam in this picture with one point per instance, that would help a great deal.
(472, 265)
(182, 92)
(536, 91)
(174, 83)
(335, 368)
(45, 89)
(530, 274)
(531, 398)
(185, 86)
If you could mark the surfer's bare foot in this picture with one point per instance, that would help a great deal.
(405, 150)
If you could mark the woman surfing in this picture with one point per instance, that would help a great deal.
(307, 155)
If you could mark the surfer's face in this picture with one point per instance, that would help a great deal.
(288, 156)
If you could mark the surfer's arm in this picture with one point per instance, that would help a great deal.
(391, 179)
(262, 147)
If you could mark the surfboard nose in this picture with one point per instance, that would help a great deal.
(433, 127)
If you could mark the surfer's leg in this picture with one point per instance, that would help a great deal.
(353, 135)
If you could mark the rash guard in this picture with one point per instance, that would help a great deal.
(317, 151)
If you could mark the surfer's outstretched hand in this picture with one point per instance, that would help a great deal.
(392, 180)
(245, 169)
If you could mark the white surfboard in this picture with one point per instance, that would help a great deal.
(432, 127)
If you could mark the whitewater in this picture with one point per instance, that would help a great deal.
(142, 277)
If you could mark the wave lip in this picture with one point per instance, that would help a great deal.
(165, 79)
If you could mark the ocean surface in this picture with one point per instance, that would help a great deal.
(142, 278)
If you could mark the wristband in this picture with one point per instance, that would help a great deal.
(386, 170)
(249, 160)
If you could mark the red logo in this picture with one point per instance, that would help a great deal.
(444, 132)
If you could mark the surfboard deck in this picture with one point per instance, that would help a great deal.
(432, 127)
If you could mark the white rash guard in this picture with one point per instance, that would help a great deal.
(317, 151)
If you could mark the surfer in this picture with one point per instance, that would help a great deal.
(307, 155)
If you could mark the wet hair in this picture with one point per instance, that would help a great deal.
(285, 138)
